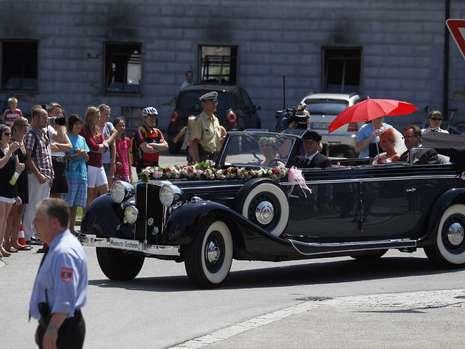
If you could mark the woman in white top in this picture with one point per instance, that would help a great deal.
(434, 123)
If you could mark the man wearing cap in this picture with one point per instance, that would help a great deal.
(207, 135)
(148, 141)
(312, 157)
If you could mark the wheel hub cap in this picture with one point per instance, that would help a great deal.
(264, 213)
(213, 252)
(456, 234)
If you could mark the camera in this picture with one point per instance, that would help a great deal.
(61, 121)
(291, 118)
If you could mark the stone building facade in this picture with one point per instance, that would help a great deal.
(392, 49)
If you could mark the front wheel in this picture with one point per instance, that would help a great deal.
(448, 249)
(208, 258)
(119, 265)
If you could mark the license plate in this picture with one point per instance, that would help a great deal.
(319, 125)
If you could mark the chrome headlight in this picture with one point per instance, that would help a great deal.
(121, 190)
(168, 194)
(130, 214)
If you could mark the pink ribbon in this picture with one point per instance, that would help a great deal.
(295, 177)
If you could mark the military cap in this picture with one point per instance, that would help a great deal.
(209, 96)
(315, 136)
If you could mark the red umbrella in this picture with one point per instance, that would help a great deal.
(371, 109)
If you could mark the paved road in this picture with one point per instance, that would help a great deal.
(401, 301)
(292, 304)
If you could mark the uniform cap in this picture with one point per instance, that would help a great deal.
(209, 96)
(315, 136)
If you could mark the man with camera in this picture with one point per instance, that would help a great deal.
(60, 287)
(291, 118)
(60, 144)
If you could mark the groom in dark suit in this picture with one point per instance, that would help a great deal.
(420, 155)
(312, 157)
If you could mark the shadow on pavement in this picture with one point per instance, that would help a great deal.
(302, 274)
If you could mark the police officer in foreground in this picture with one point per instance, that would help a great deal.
(60, 286)
(207, 134)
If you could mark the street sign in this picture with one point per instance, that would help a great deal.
(457, 30)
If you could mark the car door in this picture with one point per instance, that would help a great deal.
(389, 203)
(329, 210)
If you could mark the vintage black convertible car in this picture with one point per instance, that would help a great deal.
(248, 210)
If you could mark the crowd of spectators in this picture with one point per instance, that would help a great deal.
(74, 158)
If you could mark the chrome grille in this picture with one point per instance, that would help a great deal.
(150, 221)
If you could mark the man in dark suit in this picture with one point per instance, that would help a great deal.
(312, 157)
(420, 155)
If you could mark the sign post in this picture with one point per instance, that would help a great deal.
(457, 30)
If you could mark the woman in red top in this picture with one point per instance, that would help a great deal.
(97, 182)
(123, 152)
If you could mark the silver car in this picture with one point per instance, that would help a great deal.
(323, 108)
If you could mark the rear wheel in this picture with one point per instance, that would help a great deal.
(369, 255)
(119, 265)
(448, 249)
(209, 257)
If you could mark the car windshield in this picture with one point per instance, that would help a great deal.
(189, 100)
(258, 149)
(325, 106)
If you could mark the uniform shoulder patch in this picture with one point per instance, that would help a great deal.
(66, 274)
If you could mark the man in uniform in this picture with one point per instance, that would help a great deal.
(206, 135)
(60, 286)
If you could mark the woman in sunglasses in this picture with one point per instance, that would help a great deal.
(434, 123)
(9, 164)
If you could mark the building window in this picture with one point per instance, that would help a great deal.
(341, 71)
(123, 68)
(19, 65)
(218, 64)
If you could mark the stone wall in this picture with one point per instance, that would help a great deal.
(402, 45)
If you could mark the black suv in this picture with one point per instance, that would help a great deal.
(235, 110)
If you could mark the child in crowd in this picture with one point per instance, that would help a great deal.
(12, 112)
(77, 169)
(123, 152)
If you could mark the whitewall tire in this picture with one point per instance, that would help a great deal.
(449, 240)
(266, 205)
(209, 257)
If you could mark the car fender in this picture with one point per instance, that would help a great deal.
(446, 199)
(104, 219)
(184, 222)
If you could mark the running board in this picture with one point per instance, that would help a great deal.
(316, 248)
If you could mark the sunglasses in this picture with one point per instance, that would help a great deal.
(6, 133)
(436, 119)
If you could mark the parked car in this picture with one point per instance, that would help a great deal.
(323, 108)
(347, 210)
(235, 110)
